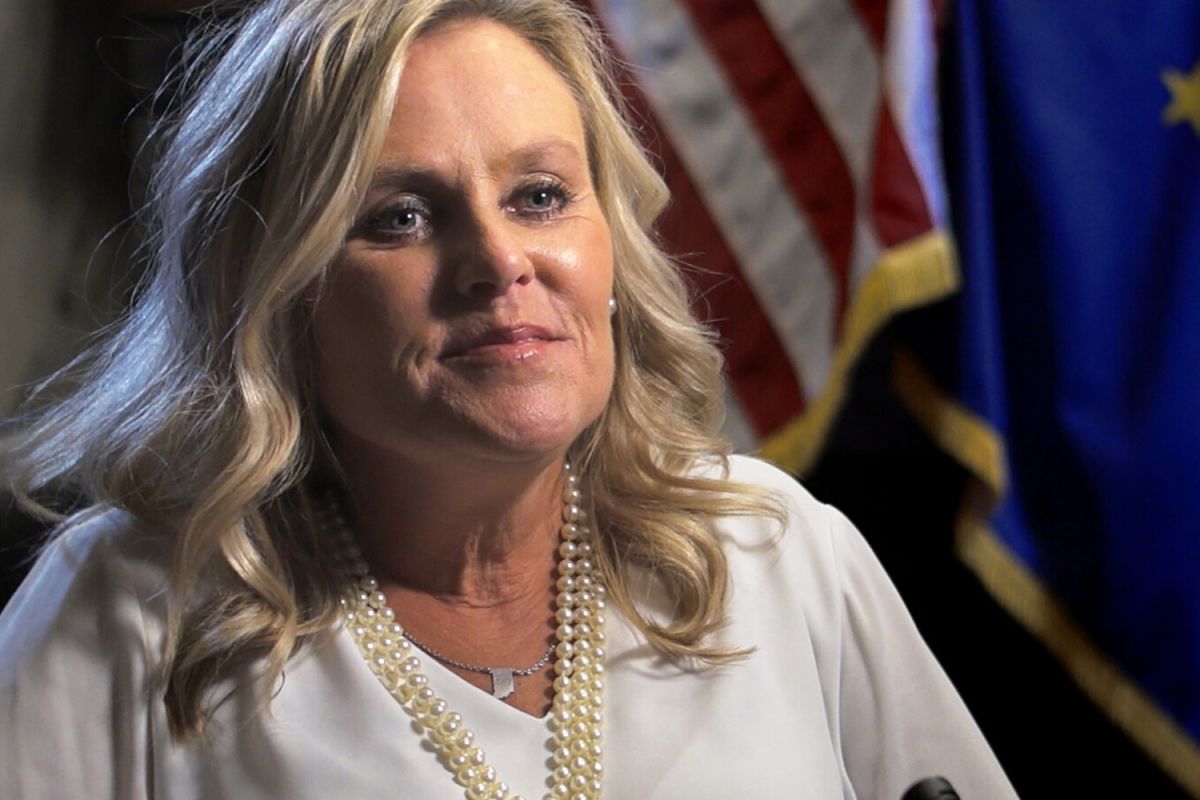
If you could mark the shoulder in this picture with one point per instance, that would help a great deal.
(762, 475)
(91, 583)
(76, 662)
(811, 564)
(806, 524)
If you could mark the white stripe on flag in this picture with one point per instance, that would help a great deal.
(832, 51)
(910, 75)
(775, 247)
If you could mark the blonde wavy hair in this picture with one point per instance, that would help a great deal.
(194, 414)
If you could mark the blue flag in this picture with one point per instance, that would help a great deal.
(1073, 152)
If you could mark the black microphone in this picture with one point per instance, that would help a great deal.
(931, 789)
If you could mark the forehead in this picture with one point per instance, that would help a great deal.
(476, 90)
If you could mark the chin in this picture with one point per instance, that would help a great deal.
(531, 430)
(532, 438)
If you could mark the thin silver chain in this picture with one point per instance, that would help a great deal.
(523, 673)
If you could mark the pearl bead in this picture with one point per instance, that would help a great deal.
(576, 718)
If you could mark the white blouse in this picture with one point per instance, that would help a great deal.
(840, 699)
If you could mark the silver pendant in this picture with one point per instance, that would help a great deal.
(502, 682)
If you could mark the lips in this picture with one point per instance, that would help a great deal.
(497, 338)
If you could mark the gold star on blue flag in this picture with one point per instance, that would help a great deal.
(1185, 97)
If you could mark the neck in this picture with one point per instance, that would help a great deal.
(469, 534)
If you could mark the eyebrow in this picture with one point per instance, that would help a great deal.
(526, 157)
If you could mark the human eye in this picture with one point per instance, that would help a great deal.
(406, 219)
(541, 199)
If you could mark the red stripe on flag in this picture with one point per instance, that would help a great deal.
(898, 206)
(756, 363)
(874, 14)
(791, 125)
(899, 210)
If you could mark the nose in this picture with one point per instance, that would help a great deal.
(494, 261)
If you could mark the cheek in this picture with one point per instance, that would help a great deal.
(364, 322)
(587, 261)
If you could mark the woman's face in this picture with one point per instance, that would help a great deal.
(467, 313)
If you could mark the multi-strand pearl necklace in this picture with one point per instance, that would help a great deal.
(577, 712)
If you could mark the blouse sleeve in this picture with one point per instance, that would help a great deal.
(73, 676)
(901, 719)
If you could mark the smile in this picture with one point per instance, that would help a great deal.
(503, 344)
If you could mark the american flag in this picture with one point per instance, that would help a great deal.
(800, 142)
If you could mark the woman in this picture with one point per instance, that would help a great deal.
(413, 406)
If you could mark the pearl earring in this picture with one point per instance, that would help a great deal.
(612, 305)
